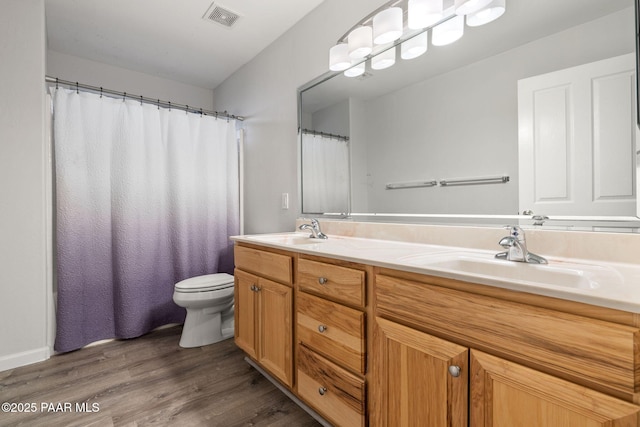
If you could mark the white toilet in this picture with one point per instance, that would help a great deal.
(209, 303)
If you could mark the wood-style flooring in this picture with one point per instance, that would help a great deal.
(147, 381)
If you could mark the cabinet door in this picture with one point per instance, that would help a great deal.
(412, 384)
(505, 394)
(276, 343)
(245, 312)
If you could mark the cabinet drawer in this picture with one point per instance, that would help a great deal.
(337, 394)
(268, 264)
(332, 329)
(339, 283)
(595, 351)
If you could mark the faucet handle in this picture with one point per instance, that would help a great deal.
(515, 231)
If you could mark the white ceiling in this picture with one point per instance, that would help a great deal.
(169, 38)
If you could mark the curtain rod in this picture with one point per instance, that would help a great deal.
(141, 98)
(330, 135)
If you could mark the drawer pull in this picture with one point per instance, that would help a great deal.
(323, 280)
(255, 288)
(322, 391)
(322, 328)
(454, 370)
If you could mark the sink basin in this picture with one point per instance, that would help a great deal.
(556, 273)
(287, 239)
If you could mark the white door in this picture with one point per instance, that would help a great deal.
(577, 131)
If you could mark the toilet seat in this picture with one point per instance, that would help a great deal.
(206, 283)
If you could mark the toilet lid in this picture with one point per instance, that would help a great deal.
(208, 282)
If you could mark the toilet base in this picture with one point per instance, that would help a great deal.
(202, 328)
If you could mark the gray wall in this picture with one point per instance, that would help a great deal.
(23, 212)
(75, 69)
(264, 91)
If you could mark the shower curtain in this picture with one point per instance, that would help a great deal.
(325, 174)
(145, 197)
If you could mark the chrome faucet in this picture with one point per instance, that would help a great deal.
(516, 247)
(316, 233)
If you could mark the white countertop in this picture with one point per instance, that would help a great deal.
(606, 284)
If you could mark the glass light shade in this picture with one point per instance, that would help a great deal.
(360, 42)
(448, 32)
(414, 47)
(339, 57)
(387, 25)
(493, 11)
(384, 59)
(424, 13)
(465, 7)
(356, 70)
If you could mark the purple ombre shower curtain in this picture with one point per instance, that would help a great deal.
(145, 197)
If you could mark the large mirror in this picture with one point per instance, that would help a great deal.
(532, 114)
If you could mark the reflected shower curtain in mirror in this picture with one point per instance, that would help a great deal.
(325, 174)
(145, 197)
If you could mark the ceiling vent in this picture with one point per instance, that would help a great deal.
(221, 15)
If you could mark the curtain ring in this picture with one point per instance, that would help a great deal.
(77, 91)
(216, 115)
(124, 95)
(100, 91)
(186, 111)
(56, 83)
(201, 112)
(169, 105)
(158, 104)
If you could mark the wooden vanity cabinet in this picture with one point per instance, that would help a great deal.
(331, 339)
(438, 350)
(264, 310)
(442, 353)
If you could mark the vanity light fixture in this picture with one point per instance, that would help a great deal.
(448, 31)
(414, 47)
(465, 7)
(360, 42)
(339, 57)
(384, 60)
(387, 25)
(377, 35)
(424, 13)
(491, 12)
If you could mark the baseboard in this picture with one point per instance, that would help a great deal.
(16, 360)
(288, 393)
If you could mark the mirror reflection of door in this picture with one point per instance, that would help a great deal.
(577, 139)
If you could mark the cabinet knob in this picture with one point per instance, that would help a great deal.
(455, 370)
(322, 328)
(253, 288)
(322, 391)
(322, 280)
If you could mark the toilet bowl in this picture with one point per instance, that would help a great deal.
(209, 303)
